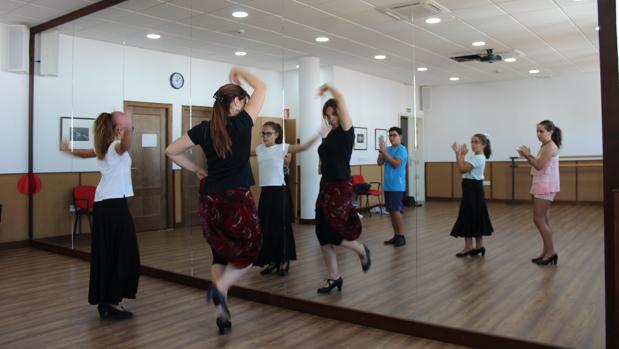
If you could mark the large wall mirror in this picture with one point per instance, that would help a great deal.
(440, 72)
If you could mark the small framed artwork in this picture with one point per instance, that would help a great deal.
(78, 132)
(361, 138)
(380, 134)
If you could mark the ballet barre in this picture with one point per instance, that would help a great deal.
(525, 164)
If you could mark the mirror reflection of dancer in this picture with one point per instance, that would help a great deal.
(337, 222)
(274, 209)
(546, 185)
(473, 219)
(227, 210)
(115, 258)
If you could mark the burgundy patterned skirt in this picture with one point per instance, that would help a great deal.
(336, 218)
(230, 225)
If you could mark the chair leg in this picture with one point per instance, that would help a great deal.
(90, 223)
(74, 228)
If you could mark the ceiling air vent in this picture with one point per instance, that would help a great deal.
(415, 10)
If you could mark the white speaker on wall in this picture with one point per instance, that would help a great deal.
(50, 41)
(424, 98)
(18, 49)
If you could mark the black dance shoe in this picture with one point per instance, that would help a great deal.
(554, 259)
(399, 241)
(223, 324)
(391, 241)
(272, 268)
(331, 284)
(534, 260)
(284, 269)
(106, 311)
(368, 263)
(463, 254)
(476, 251)
(219, 300)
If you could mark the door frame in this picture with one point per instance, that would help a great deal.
(168, 163)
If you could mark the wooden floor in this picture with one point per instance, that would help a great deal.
(43, 304)
(502, 293)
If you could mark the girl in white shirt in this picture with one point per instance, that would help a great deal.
(473, 219)
(115, 259)
(274, 206)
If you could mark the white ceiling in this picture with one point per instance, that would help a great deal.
(554, 36)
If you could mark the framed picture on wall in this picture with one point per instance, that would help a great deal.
(361, 138)
(380, 133)
(78, 132)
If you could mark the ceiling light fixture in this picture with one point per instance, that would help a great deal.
(153, 36)
(454, 78)
(422, 69)
(380, 57)
(322, 39)
(510, 60)
(534, 71)
(239, 14)
(479, 43)
(433, 20)
(240, 53)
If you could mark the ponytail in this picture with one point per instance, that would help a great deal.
(486, 142)
(556, 131)
(221, 110)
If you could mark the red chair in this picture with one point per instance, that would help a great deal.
(372, 191)
(83, 203)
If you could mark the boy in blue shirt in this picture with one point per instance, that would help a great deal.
(394, 158)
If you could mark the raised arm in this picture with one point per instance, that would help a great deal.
(345, 119)
(79, 153)
(461, 151)
(538, 162)
(256, 100)
(295, 148)
(176, 152)
(124, 123)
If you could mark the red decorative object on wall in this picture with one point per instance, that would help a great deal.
(29, 183)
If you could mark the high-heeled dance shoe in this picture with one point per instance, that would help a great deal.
(476, 251)
(284, 269)
(554, 259)
(534, 260)
(106, 311)
(218, 299)
(271, 269)
(331, 284)
(466, 253)
(368, 263)
(223, 324)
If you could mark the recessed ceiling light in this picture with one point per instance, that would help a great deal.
(510, 60)
(322, 39)
(239, 14)
(296, 66)
(597, 28)
(433, 20)
(454, 78)
(153, 36)
(422, 69)
(380, 57)
(534, 71)
(240, 53)
(479, 43)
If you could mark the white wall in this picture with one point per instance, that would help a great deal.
(95, 76)
(13, 115)
(509, 111)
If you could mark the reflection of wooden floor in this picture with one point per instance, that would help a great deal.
(502, 293)
(44, 305)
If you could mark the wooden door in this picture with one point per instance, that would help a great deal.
(150, 204)
(190, 184)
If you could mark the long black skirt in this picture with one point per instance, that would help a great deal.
(473, 219)
(275, 213)
(115, 258)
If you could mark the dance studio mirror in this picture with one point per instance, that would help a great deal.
(392, 71)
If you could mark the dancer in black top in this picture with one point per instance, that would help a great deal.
(227, 211)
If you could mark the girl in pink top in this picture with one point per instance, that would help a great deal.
(545, 172)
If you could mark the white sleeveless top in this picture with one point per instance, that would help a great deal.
(115, 175)
(271, 164)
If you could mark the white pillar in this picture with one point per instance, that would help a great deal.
(310, 117)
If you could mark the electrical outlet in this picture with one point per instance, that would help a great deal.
(71, 208)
